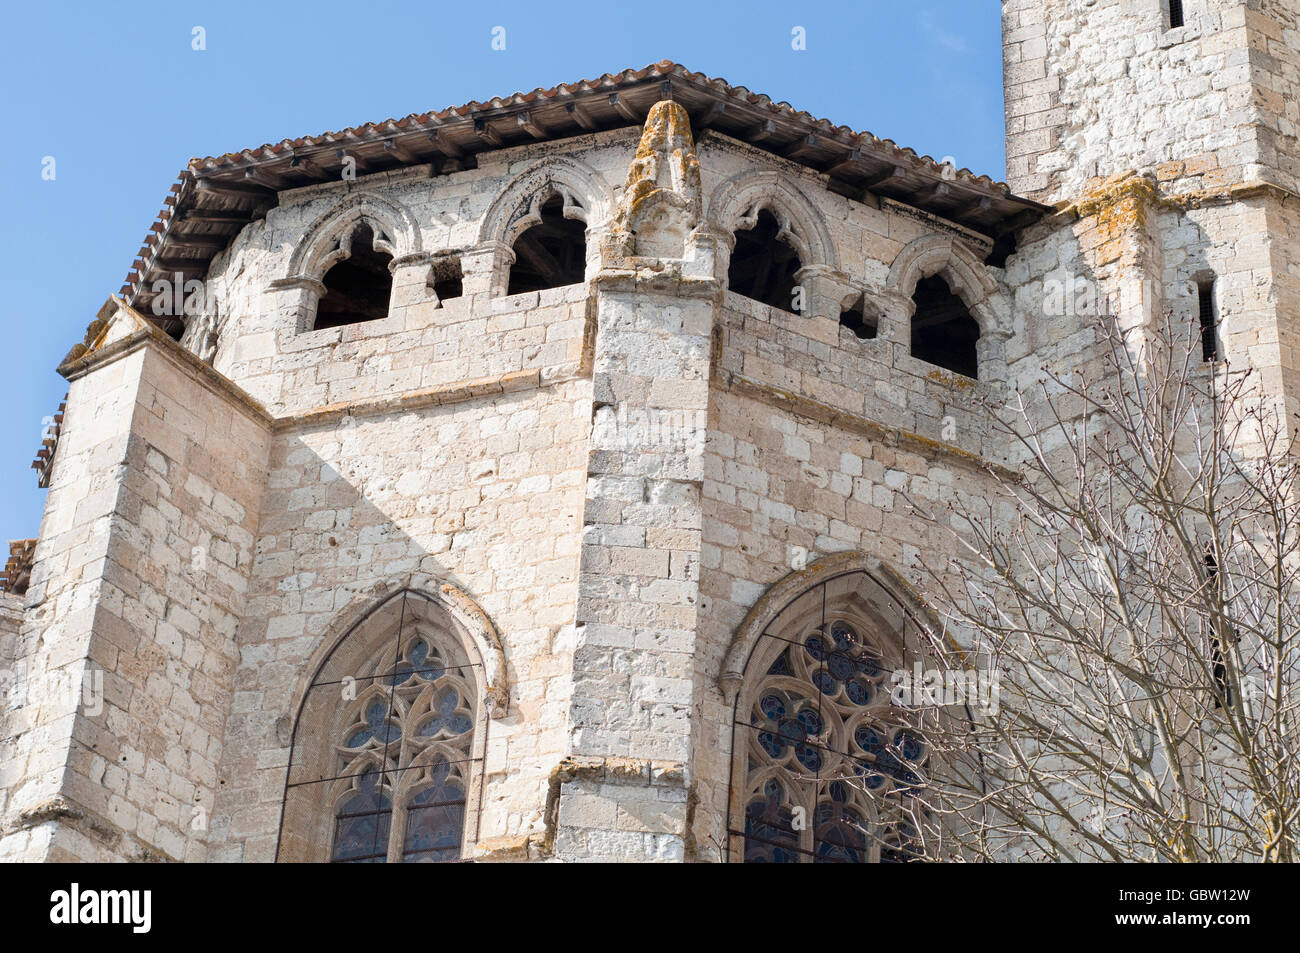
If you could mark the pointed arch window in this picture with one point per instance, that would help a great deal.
(943, 330)
(387, 754)
(359, 284)
(826, 768)
(552, 251)
(764, 263)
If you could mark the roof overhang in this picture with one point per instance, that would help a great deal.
(217, 196)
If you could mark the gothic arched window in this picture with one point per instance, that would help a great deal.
(552, 252)
(358, 286)
(386, 756)
(943, 330)
(764, 263)
(826, 768)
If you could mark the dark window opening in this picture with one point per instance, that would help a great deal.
(447, 279)
(1004, 246)
(359, 287)
(1209, 329)
(1175, 13)
(763, 266)
(855, 319)
(550, 254)
(943, 331)
(1222, 690)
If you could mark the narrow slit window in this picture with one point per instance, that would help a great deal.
(1208, 324)
(1176, 18)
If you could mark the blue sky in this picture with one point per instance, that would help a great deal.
(116, 94)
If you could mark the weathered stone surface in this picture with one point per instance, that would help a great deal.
(613, 472)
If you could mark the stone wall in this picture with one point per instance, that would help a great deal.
(137, 588)
(485, 494)
(615, 471)
(1096, 88)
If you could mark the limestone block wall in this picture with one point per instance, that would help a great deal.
(13, 670)
(485, 494)
(1273, 306)
(505, 445)
(54, 643)
(875, 379)
(782, 489)
(630, 745)
(1095, 88)
(1275, 69)
(262, 290)
(139, 582)
(499, 495)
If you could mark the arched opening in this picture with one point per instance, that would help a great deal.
(359, 287)
(943, 331)
(386, 755)
(551, 253)
(827, 767)
(763, 265)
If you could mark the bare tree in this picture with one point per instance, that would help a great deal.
(1134, 589)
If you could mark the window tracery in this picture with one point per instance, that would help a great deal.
(827, 767)
(387, 754)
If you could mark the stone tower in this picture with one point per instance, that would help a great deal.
(1178, 124)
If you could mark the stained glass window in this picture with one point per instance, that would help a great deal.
(831, 767)
(414, 725)
(386, 757)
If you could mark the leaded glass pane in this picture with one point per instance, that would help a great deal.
(830, 765)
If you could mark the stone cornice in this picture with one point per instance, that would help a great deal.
(1143, 190)
(415, 399)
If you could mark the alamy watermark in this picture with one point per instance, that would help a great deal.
(976, 688)
(63, 686)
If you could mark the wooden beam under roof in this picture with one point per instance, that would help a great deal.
(884, 176)
(530, 125)
(264, 178)
(359, 164)
(172, 264)
(487, 133)
(938, 192)
(580, 116)
(240, 189)
(400, 151)
(623, 109)
(445, 145)
(762, 132)
(309, 166)
(803, 148)
(214, 216)
(217, 242)
(711, 116)
(846, 163)
(976, 205)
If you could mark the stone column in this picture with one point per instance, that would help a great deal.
(824, 293)
(622, 791)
